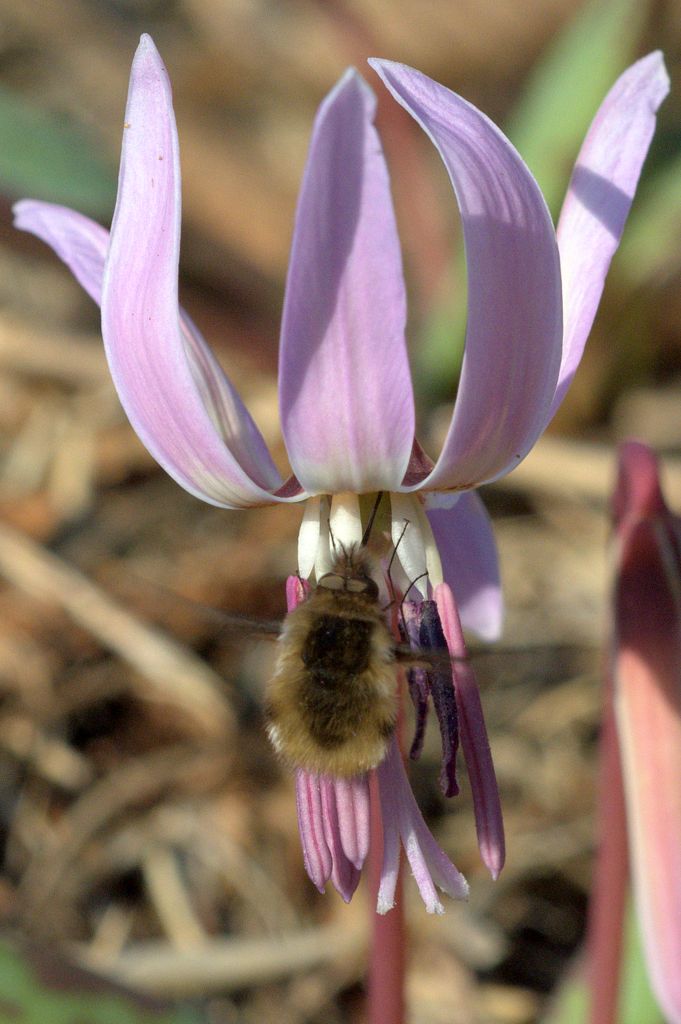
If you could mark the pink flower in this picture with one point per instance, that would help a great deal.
(647, 697)
(347, 408)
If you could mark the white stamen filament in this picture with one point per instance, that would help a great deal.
(308, 537)
(324, 555)
(433, 562)
(416, 549)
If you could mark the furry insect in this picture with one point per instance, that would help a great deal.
(331, 705)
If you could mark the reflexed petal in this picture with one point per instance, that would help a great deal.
(229, 415)
(488, 818)
(597, 203)
(79, 242)
(465, 540)
(647, 694)
(82, 245)
(160, 384)
(513, 340)
(346, 400)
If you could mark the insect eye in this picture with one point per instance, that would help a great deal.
(364, 586)
(332, 581)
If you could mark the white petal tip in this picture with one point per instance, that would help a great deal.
(146, 44)
(147, 56)
(655, 63)
(350, 81)
(493, 865)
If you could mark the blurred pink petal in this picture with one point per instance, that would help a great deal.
(465, 540)
(597, 203)
(513, 339)
(145, 343)
(647, 694)
(347, 408)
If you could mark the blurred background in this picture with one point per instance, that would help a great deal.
(146, 830)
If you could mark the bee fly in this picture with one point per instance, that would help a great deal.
(331, 705)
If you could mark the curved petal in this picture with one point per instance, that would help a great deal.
(403, 821)
(513, 340)
(470, 565)
(83, 244)
(597, 203)
(347, 407)
(79, 242)
(229, 415)
(160, 379)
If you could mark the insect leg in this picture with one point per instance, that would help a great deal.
(391, 585)
(331, 536)
(367, 532)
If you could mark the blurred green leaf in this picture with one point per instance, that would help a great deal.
(637, 1002)
(651, 246)
(38, 986)
(45, 157)
(437, 359)
(567, 86)
(571, 1003)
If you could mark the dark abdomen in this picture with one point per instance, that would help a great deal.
(335, 697)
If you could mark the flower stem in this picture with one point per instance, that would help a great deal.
(609, 888)
(385, 986)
